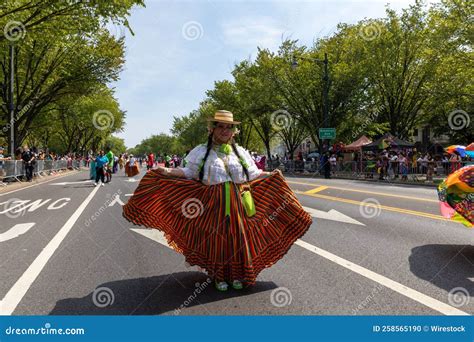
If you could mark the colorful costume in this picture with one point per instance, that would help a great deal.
(92, 172)
(131, 167)
(456, 195)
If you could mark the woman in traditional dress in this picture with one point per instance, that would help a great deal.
(131, 168)
(121, 161)
(92, 173)
(220, 211)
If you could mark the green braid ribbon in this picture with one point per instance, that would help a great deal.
(243, 163)
(225, 148)
(227, 198)
(201, 165)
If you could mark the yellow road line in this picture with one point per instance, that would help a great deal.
(367, 192)
(384, 207)
(315, 190)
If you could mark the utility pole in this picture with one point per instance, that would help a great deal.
(11, 101)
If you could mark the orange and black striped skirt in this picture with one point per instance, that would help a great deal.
(229, 247)
(131, 171)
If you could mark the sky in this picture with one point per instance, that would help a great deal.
(180, 48)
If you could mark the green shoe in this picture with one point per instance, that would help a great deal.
(222, 286)
(237, 285)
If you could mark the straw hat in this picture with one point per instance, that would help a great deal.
(224, 116)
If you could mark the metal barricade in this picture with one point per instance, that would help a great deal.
(15, 169)
(12, 169)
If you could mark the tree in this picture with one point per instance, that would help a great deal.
(257, 97)
(65, 53)
(116, 144)
(190, 130)
(403, 63)
(293, 135)
(39, 16)
(450, 105)
(158, 144)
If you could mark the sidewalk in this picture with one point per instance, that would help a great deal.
(13, 186)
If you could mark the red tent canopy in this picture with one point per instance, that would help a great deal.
(356, 145)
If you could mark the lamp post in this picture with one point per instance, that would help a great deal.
(11, 105)
(325, 63)
(14, 31)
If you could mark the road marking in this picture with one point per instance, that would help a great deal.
(389, 283)
(398, 210)
(15, 231)
(22, 206)
(17, 203)
(315, 190)
(153, 234)
(19, 289)
(158, 236)
(367, 192)
(50, 180)
(332, 215)
(79, 182)
(116, 200)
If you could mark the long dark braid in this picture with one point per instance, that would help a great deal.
(203, 162)
(242, 161)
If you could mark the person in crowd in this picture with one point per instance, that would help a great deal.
(28, 158)
(109, 166)
(455, 161)
(150, 161)
(100, 164)
(121, 161)
(403, 162)
(92, 170)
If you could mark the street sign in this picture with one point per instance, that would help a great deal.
(327, 133)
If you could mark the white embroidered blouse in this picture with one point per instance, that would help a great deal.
(215, 171)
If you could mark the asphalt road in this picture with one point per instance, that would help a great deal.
(65, 249)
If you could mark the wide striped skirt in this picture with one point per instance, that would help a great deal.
(194, 221)
(131, 171)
